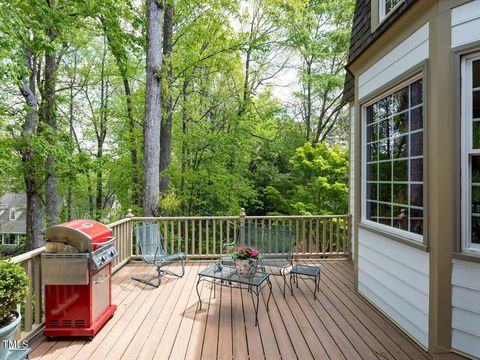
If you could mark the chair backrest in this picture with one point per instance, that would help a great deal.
(149, 240)
(272, 241)
(252, 235)
(279, 242)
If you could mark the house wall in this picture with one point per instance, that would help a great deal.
(395, 277)
(405, 56)
(465, 24)
(466, 307)
(465, 280)
(433, 298)
(392, 275)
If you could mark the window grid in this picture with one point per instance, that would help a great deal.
(471, 152)
(386, 7)
(392, 121)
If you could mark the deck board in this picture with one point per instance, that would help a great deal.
(165, 322)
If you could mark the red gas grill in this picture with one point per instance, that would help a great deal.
(77, 274)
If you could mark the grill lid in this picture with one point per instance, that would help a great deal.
(81, 234)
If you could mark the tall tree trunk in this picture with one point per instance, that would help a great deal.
(101, 132)
(246, 83)
(72, 134)
(70, 121)
(91, 204)
(184, 132)
(50, 118)
(166, 128)
(153, 109)
(136, 193)
(34, 210)
(308, 115)
(121, 58)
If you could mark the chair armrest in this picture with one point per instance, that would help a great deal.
(229, 245)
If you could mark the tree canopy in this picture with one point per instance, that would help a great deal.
(247, 111)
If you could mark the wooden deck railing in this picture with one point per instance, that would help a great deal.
(199, 237)
(202, 237)
(32, 312)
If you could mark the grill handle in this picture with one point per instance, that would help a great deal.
(112, 239)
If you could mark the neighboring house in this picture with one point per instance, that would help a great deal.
(414, 94)
(12, 218)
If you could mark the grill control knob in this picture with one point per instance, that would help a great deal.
(112, 253)
(104, 258)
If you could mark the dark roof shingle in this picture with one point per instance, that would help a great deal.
(362, 36)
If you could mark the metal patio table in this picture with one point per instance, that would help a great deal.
(227, 276)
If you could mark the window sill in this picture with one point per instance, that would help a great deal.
(395, 237)
(467, 256)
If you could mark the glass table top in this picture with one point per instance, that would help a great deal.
(229, 273)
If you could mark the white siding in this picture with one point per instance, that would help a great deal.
(466, 307)
(352, 171)
(465, 23)
(408, 54)
(395, 277)
(466, 275)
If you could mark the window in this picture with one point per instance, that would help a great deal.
(471, 152)
(393, 161)
(13, 214)
(385, 7)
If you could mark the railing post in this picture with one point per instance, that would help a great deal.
(242, 226)
(349, 236)
(130, 233)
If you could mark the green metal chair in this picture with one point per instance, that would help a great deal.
(274, 242)
(277, 250)
(152, 250)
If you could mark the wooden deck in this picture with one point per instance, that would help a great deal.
(163, 323)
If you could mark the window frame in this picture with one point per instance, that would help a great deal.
(382, 14)
(467, 152)
(404, 234)
(14, 213)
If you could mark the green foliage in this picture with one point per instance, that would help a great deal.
(234, 144)
(319, 182)
(13, 288)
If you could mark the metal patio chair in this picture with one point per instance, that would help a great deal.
(277, 250)
(250, 235)
(152, 250)
(274, 242)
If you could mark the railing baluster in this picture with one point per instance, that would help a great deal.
(193, 237)
(228, 232)
(207, 236)
(221, 237)
(324, 236)
(331, 236)
(28, 303)
(200, 237)
(269, 235)
(338, 234)
(37, 290)
(304, 236)
(186, 236)
(214, 234)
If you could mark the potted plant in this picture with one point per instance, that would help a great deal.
(13, 291)
(246, 261)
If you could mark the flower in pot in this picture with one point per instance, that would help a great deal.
(246, 261)
(13, 291)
